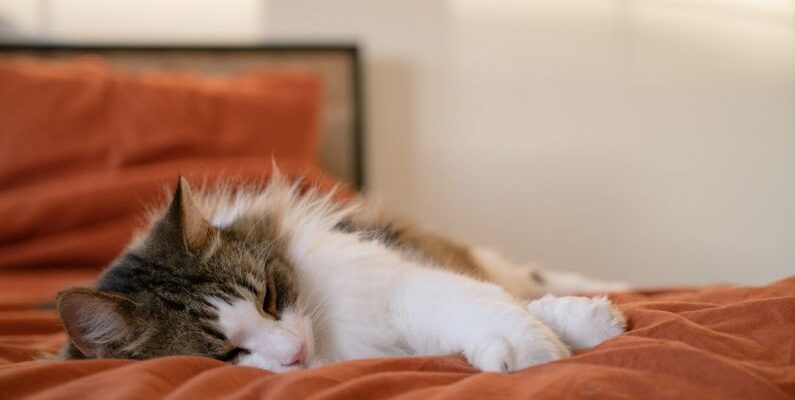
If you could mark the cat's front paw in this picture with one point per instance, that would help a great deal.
(516, 350)
(581, 322)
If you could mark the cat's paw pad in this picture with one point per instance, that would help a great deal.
(581, 322)
(506, 354)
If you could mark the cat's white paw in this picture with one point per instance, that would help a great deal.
(521, 348)
(581, 322)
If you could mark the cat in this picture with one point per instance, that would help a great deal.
(280, 279)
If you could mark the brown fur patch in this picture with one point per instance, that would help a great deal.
(442, 252)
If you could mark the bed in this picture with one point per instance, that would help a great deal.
(75, 185)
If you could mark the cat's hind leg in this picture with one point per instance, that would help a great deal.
(580, 322)
(566, 283)
(527, 281)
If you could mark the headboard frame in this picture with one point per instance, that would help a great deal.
(338, 65)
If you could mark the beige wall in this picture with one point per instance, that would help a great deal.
(650, 140)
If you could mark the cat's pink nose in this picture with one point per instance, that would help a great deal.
(299, 358)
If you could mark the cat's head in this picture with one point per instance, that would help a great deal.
(190, 288)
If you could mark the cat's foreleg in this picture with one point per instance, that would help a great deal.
(581, 322)
(443, 313)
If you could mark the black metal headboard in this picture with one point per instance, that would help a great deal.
(339, 65)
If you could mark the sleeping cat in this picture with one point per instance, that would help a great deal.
(282, 280)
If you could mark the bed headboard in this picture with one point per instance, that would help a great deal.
(338, 65)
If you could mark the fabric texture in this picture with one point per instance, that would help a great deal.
(711, 343)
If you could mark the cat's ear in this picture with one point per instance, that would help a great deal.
(184, 222)
(95, 320)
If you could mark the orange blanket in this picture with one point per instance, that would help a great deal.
(712, 343)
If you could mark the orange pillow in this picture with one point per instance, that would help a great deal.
(60, 119)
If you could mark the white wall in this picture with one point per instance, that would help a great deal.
(650, 140)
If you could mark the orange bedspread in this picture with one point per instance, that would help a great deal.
(710, 343)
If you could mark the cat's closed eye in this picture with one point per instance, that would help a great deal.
(233, 354)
